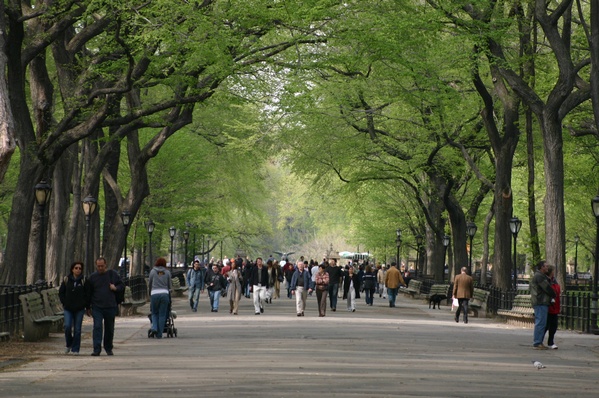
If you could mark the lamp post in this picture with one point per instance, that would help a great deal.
(172, 231)
(42, 195)
(471, 231)
(419, 240)
(515, 225)
(186, 238)
(208, 248)
(89, 207)
(398, 244)
(150, 227)
(594, 329)
(576, 240)
(126, 217)
(446, 241)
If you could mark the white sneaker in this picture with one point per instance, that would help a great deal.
(553, 347)
(67, 350)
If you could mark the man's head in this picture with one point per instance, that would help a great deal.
(464, 270)
(333, 262)
(543, 267)
(300, 265)
(259, 262)
(196, 264)
(101, 265)
(215, 269)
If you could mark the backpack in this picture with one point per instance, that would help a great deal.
(119, 295)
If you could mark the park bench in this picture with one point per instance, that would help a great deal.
(521, 314)
(37, 324)
(178, 290)
(413, 288)
(129, 306)
(4, 336)
(439, 289)
(478, 302)
(52, 305)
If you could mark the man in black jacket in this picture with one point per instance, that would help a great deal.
(101, 288)
(259, 280)
(335, 275)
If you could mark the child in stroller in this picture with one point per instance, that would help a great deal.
(169, 327)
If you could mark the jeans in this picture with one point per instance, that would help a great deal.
(462, 305)
(540, 323)
(214, 298)
(159, 305)
(106, 317)
(194, 297)
(392, 294)
(333, 291)
(72, 328)
(369, 296)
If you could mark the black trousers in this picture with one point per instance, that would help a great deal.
(551, 327)
(462, 304)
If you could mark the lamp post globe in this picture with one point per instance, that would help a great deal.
(150, 228)
(172, 231)
(446, 241)
(515, 225)
(89, 207)
(126, 218)
(470, 231)
(419, 239)
(42, 196)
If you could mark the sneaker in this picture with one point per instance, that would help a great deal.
(110, 353)
(257, 313)
(540, 347)
(95, 354)
(553, 347)
(75, 353)
(261, 309)
(67, 350)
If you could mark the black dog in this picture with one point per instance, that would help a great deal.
(435, 300)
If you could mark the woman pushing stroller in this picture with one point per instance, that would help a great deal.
(160, 299)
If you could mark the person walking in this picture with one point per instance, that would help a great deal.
(234, 289)
(335, 275)
(351, 288)
(301, 285)
(380, 279)
(160, 283)
(554, 309)
(259, 279)
(195, 279)
(288, 271)
(101, 288)
(541, 294)
(463, 290)
(72, 296)
(321, 282)
(393, 280)
(215, 283)
(369, 285)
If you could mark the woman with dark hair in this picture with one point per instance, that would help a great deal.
(73, 299)
(160, 283)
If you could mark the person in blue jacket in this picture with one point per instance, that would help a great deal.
(301, 285)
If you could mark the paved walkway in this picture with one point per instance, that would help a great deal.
(407, 351)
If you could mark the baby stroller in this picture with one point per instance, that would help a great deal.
(169, 327)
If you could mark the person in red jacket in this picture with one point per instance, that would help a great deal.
(554, 309)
